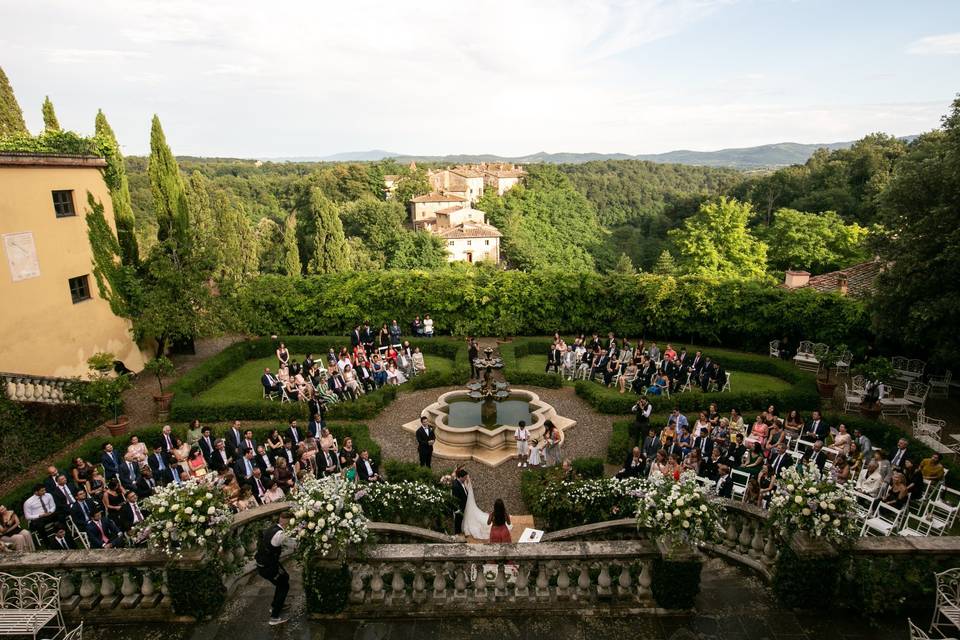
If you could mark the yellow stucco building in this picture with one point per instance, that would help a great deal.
(51, 315)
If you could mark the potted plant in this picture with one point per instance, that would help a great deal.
(874, 371)
(104, 391)
(161, 367)
(822, 352)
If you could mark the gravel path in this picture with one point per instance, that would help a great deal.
(589, 437)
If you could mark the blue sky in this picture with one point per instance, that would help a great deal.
(300, 78)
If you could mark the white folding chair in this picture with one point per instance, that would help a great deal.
(726, 384)
(942, 510)
(842, 363)
(687, 386)
(740, 480)
(774, 348)
(886, 520)
(915, 525)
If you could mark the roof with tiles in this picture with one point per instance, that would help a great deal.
(470, 230)
(860, 279)
(438, 197)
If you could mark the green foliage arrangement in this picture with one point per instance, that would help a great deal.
(327, 587)
(560, 504)
(406, 502)
(198, 593)
(801, 579)
(675, 584)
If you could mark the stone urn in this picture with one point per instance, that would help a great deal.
(161, 403)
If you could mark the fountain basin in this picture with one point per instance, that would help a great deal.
(465, 431)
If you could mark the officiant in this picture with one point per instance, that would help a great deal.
(426, 436)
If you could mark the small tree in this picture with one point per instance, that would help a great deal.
(102, 390)
(160, 367)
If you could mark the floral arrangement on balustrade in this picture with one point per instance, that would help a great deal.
(192, 515)
(570, 503)
(406, 502)
(807, 501)
(326, 517)
(679, 511)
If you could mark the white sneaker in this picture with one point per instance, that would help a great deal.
(275, 621)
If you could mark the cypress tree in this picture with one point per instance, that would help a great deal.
(50, 122)
(115, 175)
(665, 265)
(169, 195)
(11, 117)
(291, 253)
(331, 253)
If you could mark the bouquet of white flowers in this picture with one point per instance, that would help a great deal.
(192, 515)
(806, 501)
(678, 510)
(326, 517)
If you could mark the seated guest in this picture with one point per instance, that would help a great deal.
(291, 455)
(872, 480)
(684, 441)
(81, 473)
(64, 496)
(634, 466)
(220, 461)
(12, 534)
(194, 432)
(82, 509)
(736, 423)
(916, 485)
(130, 473)
(159, 465)
(840, 471)
(629, 375)
(724, 486)
(775, 435)
(273, 493)
(246, 499)
(394, 375)
(417, 361)
(258, 484)
(365, 376)
(842, 440)
(710, 468)
(283, 474)
(244, 466)
(367, 468)
(130, 513)
(347, 455)
(207, 444)
(97, 484)
(197, 463)
(669, 432)
(292, 389)
(274, 443)
(817, 455)
(758, 431)
(327, 438)
(780, 460)
(350, 383)
(271, 385)
(736, 452)
(701, 425)
(263, 460)
(61, 541)
(754, 461)
(932, 468)
(113, 498)
(691, 462)
(897, 494)
(146, 486)
(660, 382)
(794, 424)
(327, 461)
(103, 533)
(721, 435)
(817, 429)
(231, 488)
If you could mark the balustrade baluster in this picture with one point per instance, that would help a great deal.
(377, 593)
(419, 585)
(770, 549)
(745, 537)
(148, 592)
(730, 537)
(398, 586)
(563, 581)
(645, 579)
(500, 582)
(356, 582)
(625, 581)
(89, 593)
(604, 581)
(522, 587)
(543, 581)
(439, 583)
(460, 583)
(68, 591)
(479, 583)
(108, 596)
(130, 591)
(583, 581)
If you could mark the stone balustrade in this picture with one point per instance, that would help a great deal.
(428, 579)
(28, 388)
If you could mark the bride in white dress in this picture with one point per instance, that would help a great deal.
(474, 519)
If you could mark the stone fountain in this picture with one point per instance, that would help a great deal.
(478, 422)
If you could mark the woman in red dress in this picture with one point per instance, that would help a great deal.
(499, 521)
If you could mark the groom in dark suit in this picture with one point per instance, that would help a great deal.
(425, 439)
(460, 495)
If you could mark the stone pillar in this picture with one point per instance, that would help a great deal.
(806, 571)
(676, 575)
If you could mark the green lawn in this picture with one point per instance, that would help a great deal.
(244, 383)
(739, 381)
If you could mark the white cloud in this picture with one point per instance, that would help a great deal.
(941, 45)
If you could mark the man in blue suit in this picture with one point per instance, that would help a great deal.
(110, 461)
(103, 533)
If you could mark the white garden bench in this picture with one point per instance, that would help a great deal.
(946, 616)
(940, 385)
(30, 604)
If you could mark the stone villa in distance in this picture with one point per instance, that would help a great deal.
(448, 212)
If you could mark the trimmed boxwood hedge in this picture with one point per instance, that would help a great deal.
(91, 449)
(511, 352)
(187, 405)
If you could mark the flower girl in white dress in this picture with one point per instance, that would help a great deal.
(533, 458)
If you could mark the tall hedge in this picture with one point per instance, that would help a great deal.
(738, 313)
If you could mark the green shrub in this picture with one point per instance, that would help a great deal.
(675, 584)
(326, 587)
(197, 592)
(587, 468)
(512, 351)
(620, 445)
(739, 313)
(398, 471)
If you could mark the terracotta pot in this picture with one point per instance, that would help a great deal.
(871, 411)
(826, 389)
(162, 403)
(119, 427)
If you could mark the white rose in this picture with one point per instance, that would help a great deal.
(166, 534)
(329, 507)
(211, 511)
(825, 518)
(324, 537)
(193, 518)
(202, 519)
(188, 510)
(174, 507)
(348, 515)
(798, 499)
(310, 513)
(311, 526)
(805, 511)
(679, 502)
(321, 523)
(703, 508)
(790, 487)
(208, 532)
(198, 503)
(209, 496)
(686, 524)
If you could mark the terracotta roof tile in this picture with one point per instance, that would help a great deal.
(438, 197)
(470, 230)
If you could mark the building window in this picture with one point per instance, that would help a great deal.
(79, 289)
(487, 242)
(63, 204)
(450, 242)
(468, 242)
